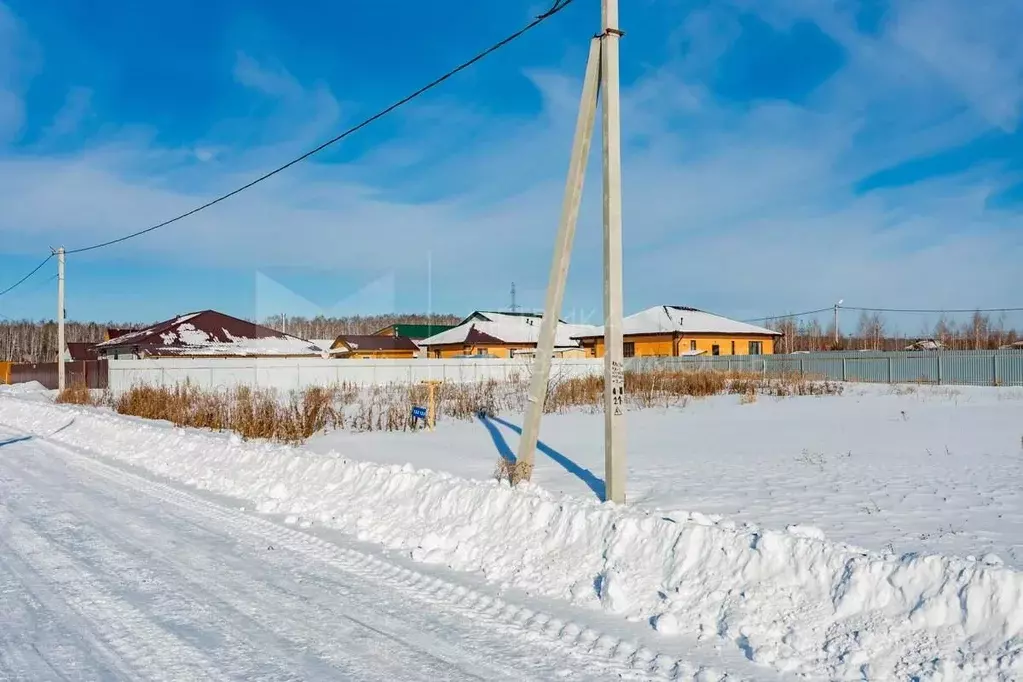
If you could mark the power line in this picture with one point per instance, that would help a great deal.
(782, 317)
(558, 6)
(23, 279)
(933, 311)
(930, 311)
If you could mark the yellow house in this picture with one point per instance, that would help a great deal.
(672, 331)
(501, 335)
(366, 347)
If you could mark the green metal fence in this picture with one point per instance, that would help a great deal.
(977, 368)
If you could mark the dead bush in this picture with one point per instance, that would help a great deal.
(77, 394)
(514, 472)
(293, 417)
(252, 413)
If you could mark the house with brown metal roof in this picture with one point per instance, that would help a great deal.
(114, 332)
(373, 347)
(206, 334)
(80, 350)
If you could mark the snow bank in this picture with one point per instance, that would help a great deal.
(789, 599)
(23, 388)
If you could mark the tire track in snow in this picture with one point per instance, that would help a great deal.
(146, 650)
(218, 588)
(586, 645)
(133, 564)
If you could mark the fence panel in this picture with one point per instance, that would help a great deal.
(979, 368)
(92, 373)
(289, 374)
(985, 368)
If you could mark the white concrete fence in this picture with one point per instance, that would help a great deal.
(297, 373)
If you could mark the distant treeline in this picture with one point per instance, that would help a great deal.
(31, 341)
(872, 332)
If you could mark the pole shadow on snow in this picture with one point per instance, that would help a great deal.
(16, 439)
(499, 442)
(592, 481)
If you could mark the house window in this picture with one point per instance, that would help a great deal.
(629, 349)
(593, 351)
(692, 344)
(715, 349)
(733, 347)
(481, 351)
(756, 347)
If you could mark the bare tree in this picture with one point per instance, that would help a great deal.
(31, 341)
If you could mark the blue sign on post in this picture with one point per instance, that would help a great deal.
(419, 413)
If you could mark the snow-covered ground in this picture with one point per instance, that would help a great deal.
(890, 468)
(106, 574)
(771, 587)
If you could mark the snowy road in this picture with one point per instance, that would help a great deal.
(107, 575)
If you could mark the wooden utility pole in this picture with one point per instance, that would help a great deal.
(601, 73)
(614, 368)
(431, 410)
(559, 266)
(61, 383)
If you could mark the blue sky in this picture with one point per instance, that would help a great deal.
(777, 155)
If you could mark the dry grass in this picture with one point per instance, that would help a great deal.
(293, 417)
(79, 394)
(513, 472)
(252, 413)
(674, 388)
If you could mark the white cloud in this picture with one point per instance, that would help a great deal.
(975, 47)
(76, 108)
(267, 79)
(17, 62)
(751, 209)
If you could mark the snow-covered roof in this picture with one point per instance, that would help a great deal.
(669, 319)
(209, 332)
(323, 344)
(195, 341)
(510, 328)
(925, 344)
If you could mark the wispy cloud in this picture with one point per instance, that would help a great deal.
(748, 208)
(15, 65)
(269, 79)
(77, 107)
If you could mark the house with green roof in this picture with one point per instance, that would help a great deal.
(416, 332)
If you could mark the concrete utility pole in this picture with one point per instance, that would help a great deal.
(559, 266)
(837, 306)
(614, 370)
(60, 319)
(601, 72)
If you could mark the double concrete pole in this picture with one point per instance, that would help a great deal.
(61, 345)
(601, 78)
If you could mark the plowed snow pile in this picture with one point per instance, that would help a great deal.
(790, 599)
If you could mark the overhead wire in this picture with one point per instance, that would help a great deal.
(933, 310)
(781, 317)
(929, 311)
(557, 7)
(26, 277)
